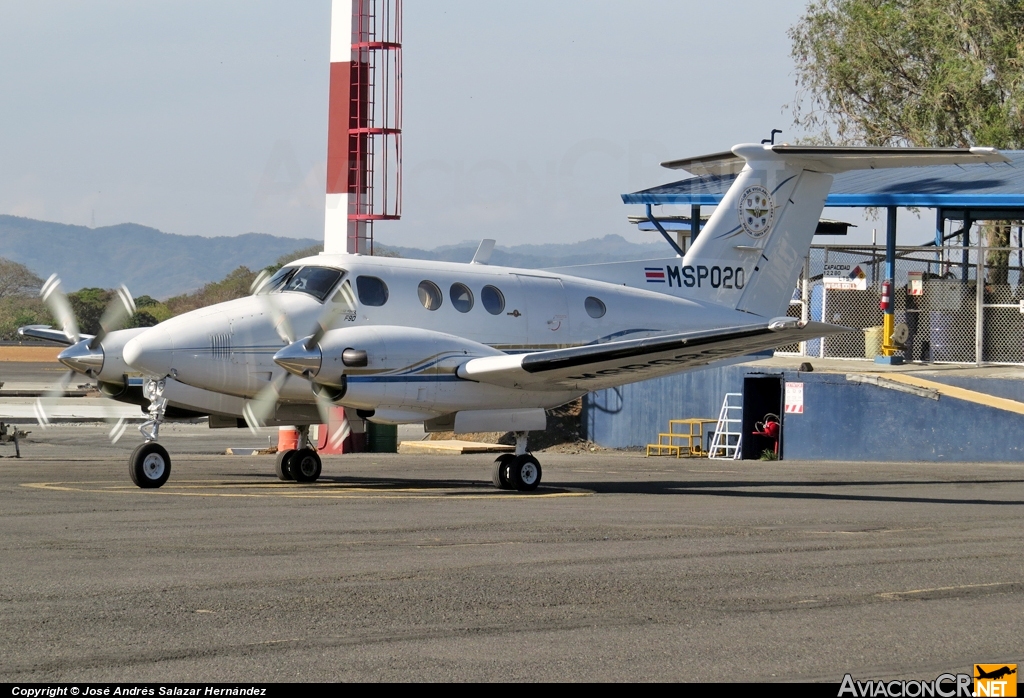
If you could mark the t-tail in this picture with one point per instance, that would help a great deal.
(749, 254)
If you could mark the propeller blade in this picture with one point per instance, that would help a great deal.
(258, 410)
(118, 312)
(43, 403)
(117, 431)
(338, 438)
(41, 417)
(323, 406)
(57, 303)
(343, 300)
(281, 324)
(259, 282)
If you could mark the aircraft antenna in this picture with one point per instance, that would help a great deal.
(364, 133)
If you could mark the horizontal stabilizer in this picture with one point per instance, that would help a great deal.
(48, 333)
(718, 164)
(832, 158)
(598, 366)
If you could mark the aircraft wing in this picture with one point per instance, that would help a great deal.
(48, 333)
(599, 366)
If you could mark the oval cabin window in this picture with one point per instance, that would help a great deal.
(430, 295)
(493, 300)
(595, 308)
(462, 297)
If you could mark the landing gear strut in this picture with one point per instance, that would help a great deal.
(518, 471)
(150, 465)
(301, 464)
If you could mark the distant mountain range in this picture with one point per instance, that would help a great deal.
(163, 264)
(147, 260)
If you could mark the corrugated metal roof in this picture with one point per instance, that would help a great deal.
(941, 186)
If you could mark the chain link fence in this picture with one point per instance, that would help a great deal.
(936, 295)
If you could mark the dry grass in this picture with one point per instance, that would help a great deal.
(34, 354)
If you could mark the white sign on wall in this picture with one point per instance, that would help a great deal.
(845, 277)
(794, 398)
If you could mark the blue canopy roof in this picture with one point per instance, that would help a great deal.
(999, 185)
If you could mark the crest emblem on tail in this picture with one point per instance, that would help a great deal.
(757, 211)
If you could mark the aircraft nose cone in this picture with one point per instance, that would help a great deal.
(79, 357)
(296, 358)
(151, 352)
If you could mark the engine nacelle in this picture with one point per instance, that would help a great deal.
(104, 362)
(401, 367)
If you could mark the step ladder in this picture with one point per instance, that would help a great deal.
(725, 444)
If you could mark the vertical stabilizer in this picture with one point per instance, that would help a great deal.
(750, 252)
(749, 255)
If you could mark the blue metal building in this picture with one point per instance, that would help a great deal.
(844, 419)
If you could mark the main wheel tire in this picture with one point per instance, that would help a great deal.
(524, 473)
(149, 465)
(305, 465)
(499, 476)
(280, 466)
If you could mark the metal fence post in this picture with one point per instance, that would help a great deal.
(979, 301)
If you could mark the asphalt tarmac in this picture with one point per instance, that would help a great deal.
(391, 567)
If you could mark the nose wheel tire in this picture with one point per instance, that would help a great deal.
(284, 473)
(149, 465)
(499, 476)
(524, 473)
(304, 465)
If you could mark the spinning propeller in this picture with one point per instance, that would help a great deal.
(84, 355)
(301, 358)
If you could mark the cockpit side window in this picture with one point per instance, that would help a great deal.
(315, 281)
(279, 279)
(372, 291)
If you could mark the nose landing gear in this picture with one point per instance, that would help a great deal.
(150, 465)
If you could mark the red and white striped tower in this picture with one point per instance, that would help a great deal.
(364, 132)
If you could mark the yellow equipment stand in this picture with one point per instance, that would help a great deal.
(693, 438)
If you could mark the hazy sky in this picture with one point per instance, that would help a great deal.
(524, 121)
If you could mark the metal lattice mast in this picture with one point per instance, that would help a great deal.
(364, 142)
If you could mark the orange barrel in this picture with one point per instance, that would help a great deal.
(287, 438)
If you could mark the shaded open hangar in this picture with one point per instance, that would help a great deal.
(937, 376)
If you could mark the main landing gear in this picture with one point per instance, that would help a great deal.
(300, 464)
(517, 471)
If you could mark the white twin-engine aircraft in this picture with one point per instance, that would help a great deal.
(471, 347)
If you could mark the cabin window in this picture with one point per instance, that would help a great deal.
(493, 300)
(372, 291)
(595, 308)
(430, 295)
(462, 297)
(314, 281)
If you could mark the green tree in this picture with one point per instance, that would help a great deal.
(19, 299)
(930, 73)
(234, 285)
(88, 305)
(17, 280)
(937, 73)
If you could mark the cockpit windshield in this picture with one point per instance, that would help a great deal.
(314, 281)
